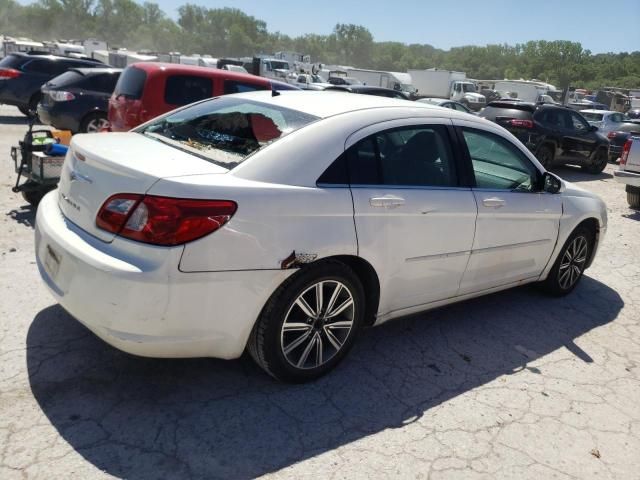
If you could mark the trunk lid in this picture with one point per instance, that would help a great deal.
(100, 165)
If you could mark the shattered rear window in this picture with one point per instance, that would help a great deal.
(226, 130)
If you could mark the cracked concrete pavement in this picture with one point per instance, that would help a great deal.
(513, 385)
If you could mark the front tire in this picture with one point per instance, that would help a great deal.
(310, 323)
(545, 156)
(633, 196)
(598, 162)
(571, 263)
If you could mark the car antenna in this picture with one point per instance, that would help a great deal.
(274, 92)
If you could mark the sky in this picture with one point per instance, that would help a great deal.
(599, 25)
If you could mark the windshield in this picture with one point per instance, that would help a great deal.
(468, 87)
(317, 79)
(275, 65)
(225, 130)
(406, 87)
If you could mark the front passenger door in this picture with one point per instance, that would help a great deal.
(517, 224)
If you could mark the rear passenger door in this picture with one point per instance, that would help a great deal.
(517, 224)
(414, 221)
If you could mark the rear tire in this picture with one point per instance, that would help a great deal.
(33, 197)
(598, 162)
(633, 196)
(94, 122)
(545, 156)
(571, 263)
(299, 338)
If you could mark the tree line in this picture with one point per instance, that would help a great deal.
(230, 32)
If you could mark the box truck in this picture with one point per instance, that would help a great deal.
(447, 84)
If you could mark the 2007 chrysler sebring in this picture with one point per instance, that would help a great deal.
(285, 223)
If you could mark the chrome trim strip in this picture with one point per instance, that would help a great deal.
(476, 251)
(437, 255)
(511, 246)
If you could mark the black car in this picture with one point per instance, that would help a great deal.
(619, 137)
(369, 90)
(22, 75)
(553, 133)
(78, 100)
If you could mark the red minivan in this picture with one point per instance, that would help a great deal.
(148, 89)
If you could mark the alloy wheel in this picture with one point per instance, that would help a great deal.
(573, 262)
(317, 324)
(97, 124)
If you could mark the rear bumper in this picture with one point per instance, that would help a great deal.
(58, 117)
(628, 178)
(134, 297)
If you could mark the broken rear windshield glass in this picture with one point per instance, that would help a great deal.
(226, 130)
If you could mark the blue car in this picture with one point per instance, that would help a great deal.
(22, 75)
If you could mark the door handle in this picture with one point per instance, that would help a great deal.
(388, 201)
(493, 202)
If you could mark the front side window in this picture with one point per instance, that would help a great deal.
(186, 89)
(225, 130)
(498, 164)
(412, 156)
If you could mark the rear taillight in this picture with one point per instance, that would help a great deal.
(521, 123)
(7, 73)
(611, 135)
(625, 152)
(163, 220)
(61, 96)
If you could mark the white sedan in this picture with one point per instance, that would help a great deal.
(285, 223)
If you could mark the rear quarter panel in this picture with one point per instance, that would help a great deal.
(272, 222)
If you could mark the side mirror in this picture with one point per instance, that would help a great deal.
(551, 183)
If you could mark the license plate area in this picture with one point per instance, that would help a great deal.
(52, 261)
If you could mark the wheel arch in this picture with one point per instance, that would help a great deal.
(370, 283)
(593, 225)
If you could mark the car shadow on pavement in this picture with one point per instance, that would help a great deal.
(576, 174)
(146, 418)
(24, 215)
(633, 215)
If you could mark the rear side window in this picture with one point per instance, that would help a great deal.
(131, 83)
(186, 89)
(12, 61)
(234, 86)
(593, 117)
(67, 78)
(45, 67)
(413, 156)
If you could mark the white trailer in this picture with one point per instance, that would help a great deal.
(377, 78)
(447, 84)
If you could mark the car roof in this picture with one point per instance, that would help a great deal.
(48, 56)
(151, 67)
(602, 112)
(327, 103)
(95, 71)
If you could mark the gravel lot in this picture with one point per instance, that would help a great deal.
(513, 385)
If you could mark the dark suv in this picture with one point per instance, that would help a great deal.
(553, 133)
(22, 75)
(78, 100)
